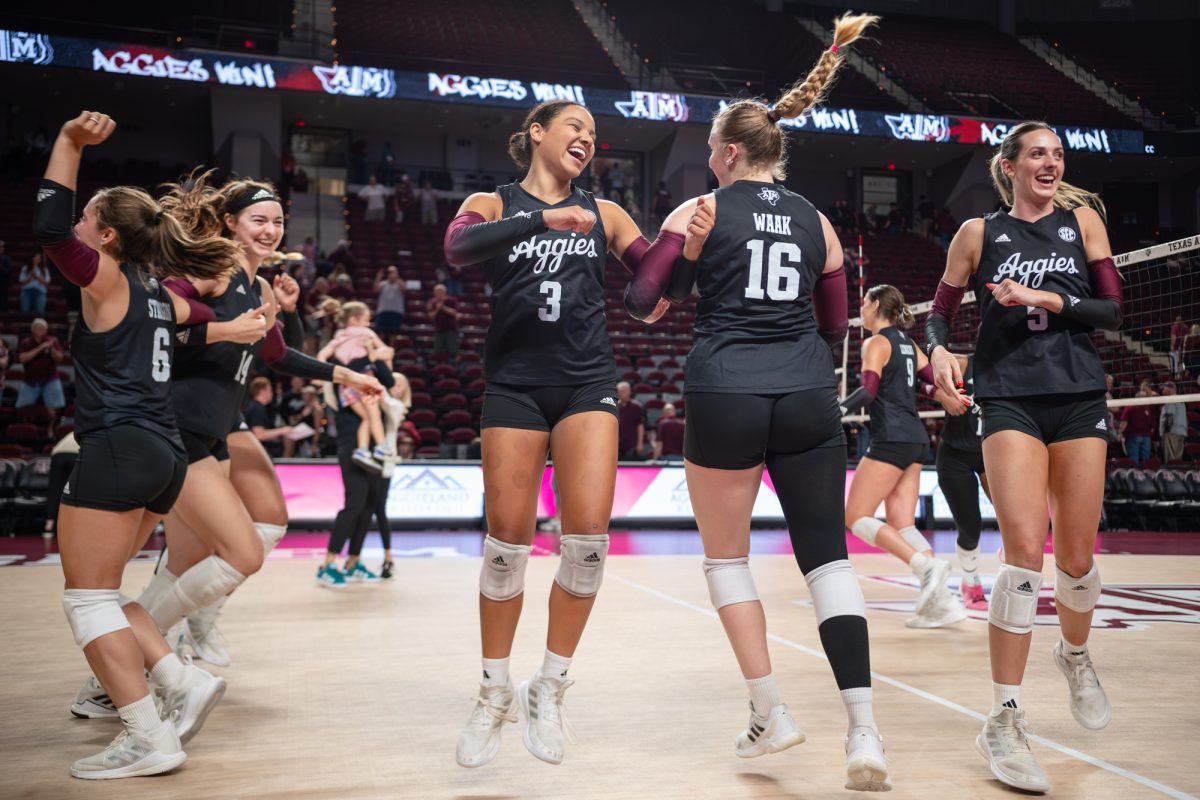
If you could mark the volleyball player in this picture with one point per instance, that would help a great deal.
(551, 380)
(890, 472)
(131, 461)
(1045, 278)
(761, 389)
(960, 474)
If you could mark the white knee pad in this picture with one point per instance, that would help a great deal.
(913, 538)
(1077, 594)
(835, 591)
(124, 600)
(270, 535)
(581, 566)
(503, 574)
(1013, 604)
(866, 528)
(93, 613)
(204, 583)
(729, 581)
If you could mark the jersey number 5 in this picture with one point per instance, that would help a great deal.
(160, 361)
(783, 282)
(1037, 320)
(553, 292)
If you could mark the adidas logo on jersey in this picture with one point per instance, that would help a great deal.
(67, 488)
(241, 290)
(592, 559)
(1102, 425)
(608, 401)
(768, 194)
(1002, 238)
(1025, 587)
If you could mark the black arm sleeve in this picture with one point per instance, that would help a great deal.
(937, 332)
(293, 329)
(192, 336)
(55, 213)
(298, 365)
(1094, 312)
(469, 242)
(683, 279)
(383, 373)
(857, 399)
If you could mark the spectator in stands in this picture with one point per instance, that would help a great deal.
(292, 408)
(631, 431)
(1191, 351)
(668, 445)
(309, 250)
(427, 198)
(663, 204)
(925, 209)
(1172, 426)
(443, 310)
(375, 196)
(343, 288)
(1137, 426)
(1179, 334)
(35, 281)
(41, 353)
(389, 302)
(340, 255)
(260, 416)
(895, 220)
(403, 198)
(946, 225)
(5, 278)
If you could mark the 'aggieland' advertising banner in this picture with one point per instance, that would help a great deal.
(230, 69)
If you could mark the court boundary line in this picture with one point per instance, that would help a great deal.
(933, 698)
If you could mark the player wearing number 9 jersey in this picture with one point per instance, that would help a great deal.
(1045, 279)
(131, 463)
(760, 391)
(551, 389)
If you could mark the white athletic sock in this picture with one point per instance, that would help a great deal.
(160, 583)
(140, 716)
(764, 694)
(1073, 651)
(918, 563)
(169, 672)
(555, 666)
(859, 707)
(968, 562)
(1005, 696)
(495, 671)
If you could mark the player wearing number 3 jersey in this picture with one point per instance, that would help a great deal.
(551, 388)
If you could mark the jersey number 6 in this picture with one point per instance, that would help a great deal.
(783, 282)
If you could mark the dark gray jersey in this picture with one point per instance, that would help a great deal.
(894, 411)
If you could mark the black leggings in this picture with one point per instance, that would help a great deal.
(957, 470)
(381, 517)
(362, 497)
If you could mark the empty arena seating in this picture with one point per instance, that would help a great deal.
(1160, 499)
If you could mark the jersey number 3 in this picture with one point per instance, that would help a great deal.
(553, 292)
(160, 361)
(783, 282)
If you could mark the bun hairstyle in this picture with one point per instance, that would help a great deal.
(891, 305)
(1065, 196)
(520, 147)
(752, 125)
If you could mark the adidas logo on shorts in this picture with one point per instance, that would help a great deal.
(499, 561)
(608, 401)
(1025, 587)
(593, 558)
(1102, 425)
(1003, 238)
(67, 488)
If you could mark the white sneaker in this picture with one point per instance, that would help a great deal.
(93, 702)
(1089, 704)
(194, 701)
(546, 727)
(866, 764)
(933, 578)
(946, 610)
(479, 741)
(206, 640)
(132, 754)
(1004, 744)
(773, 733)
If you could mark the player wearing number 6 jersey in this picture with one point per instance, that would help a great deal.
(893, 370)
(551, 388)
(1045, 280)
(761, 391)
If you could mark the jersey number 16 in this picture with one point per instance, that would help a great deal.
(783, 282)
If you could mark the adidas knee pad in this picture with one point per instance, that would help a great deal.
(581, 565)
(866, 528)
(503, 574)
(270, 535)
(913, 538)
(729, 581)
(1077, 594)
(1013, 604)
(93, 613)
(835, 591)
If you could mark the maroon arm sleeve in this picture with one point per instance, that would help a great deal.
(946, 301)
(75, 260)
(633, 254)
(274, 347)
(199, 313)
(653, 274)
(830, 305)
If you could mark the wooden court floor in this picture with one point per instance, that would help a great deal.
(361, 693)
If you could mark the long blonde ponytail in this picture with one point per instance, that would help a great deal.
(1066, 196)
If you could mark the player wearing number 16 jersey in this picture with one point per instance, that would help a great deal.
(761, 391)
(551, 389)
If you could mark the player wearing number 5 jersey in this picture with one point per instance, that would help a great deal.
(131, 461)
(551, 388)
(761, 392)
(1045, 280)
(893, 370)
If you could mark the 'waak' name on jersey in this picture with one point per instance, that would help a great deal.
(773, 223)
(1031, 273)
(550, 252)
